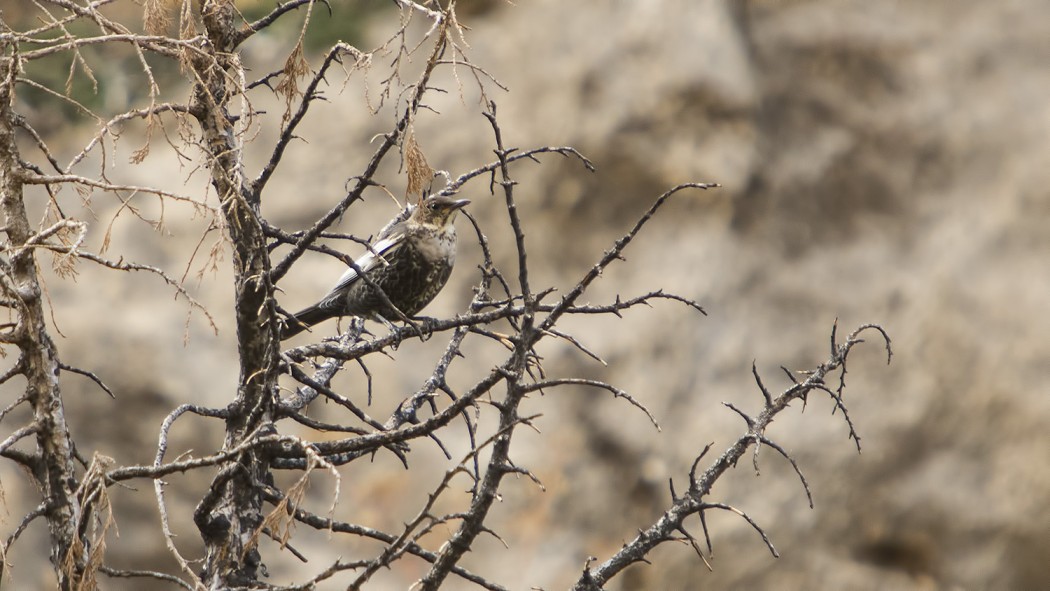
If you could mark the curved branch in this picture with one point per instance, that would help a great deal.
(700, 485)
(617, 392)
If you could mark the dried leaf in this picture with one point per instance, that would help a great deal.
(420, 174)
(156, 16)
(295, 67)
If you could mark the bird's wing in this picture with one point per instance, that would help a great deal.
(377, 255)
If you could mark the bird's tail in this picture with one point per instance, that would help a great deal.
(304, 319)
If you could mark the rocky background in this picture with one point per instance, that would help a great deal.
(881, 161)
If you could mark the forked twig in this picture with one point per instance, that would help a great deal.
(700, 484)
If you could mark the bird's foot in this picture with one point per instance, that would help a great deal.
(423, 326)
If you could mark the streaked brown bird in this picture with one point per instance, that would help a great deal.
(410, 261)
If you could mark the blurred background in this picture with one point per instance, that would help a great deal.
(881, 161)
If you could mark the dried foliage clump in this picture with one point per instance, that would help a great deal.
(208, 130)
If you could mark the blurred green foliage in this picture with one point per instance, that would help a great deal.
(108, 78)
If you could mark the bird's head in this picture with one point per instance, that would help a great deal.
(438, 210)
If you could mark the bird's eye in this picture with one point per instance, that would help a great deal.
(431, 206)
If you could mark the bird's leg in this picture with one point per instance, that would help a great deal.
(389, 325)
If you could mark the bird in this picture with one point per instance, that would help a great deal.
(410, 261)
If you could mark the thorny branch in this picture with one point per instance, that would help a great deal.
(513, 372)
(365, 180)
(311, 94)
(513, 320)
(693, 503)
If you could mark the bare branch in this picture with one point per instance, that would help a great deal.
(160, 44)
(309, 96)
(400, 544)
(794, 465)
(123, 266)
(364, 180)
(512, 208)
(18, 434)
(272, 17)
(491, 167)
(747, 518)
(569, 299)
(618, 393)
(700, 484)
(146, 574)
(503, 324)
(89, 375)
(327, 524)
(36, 179)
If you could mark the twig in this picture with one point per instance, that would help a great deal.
(700, 484)
(131, 574)
(91, 376)
(617, 392)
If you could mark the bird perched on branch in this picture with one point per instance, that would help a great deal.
(409, 262)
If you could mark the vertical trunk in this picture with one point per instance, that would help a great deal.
(230, 515)
(52, 464)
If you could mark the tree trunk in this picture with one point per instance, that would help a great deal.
(230, 516)
(52, 465)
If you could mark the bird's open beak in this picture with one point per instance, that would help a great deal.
(460, 204)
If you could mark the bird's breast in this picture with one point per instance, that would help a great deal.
(437, 247)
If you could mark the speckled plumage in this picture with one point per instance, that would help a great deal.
(410, 262)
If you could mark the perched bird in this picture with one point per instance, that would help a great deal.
(410, 262)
